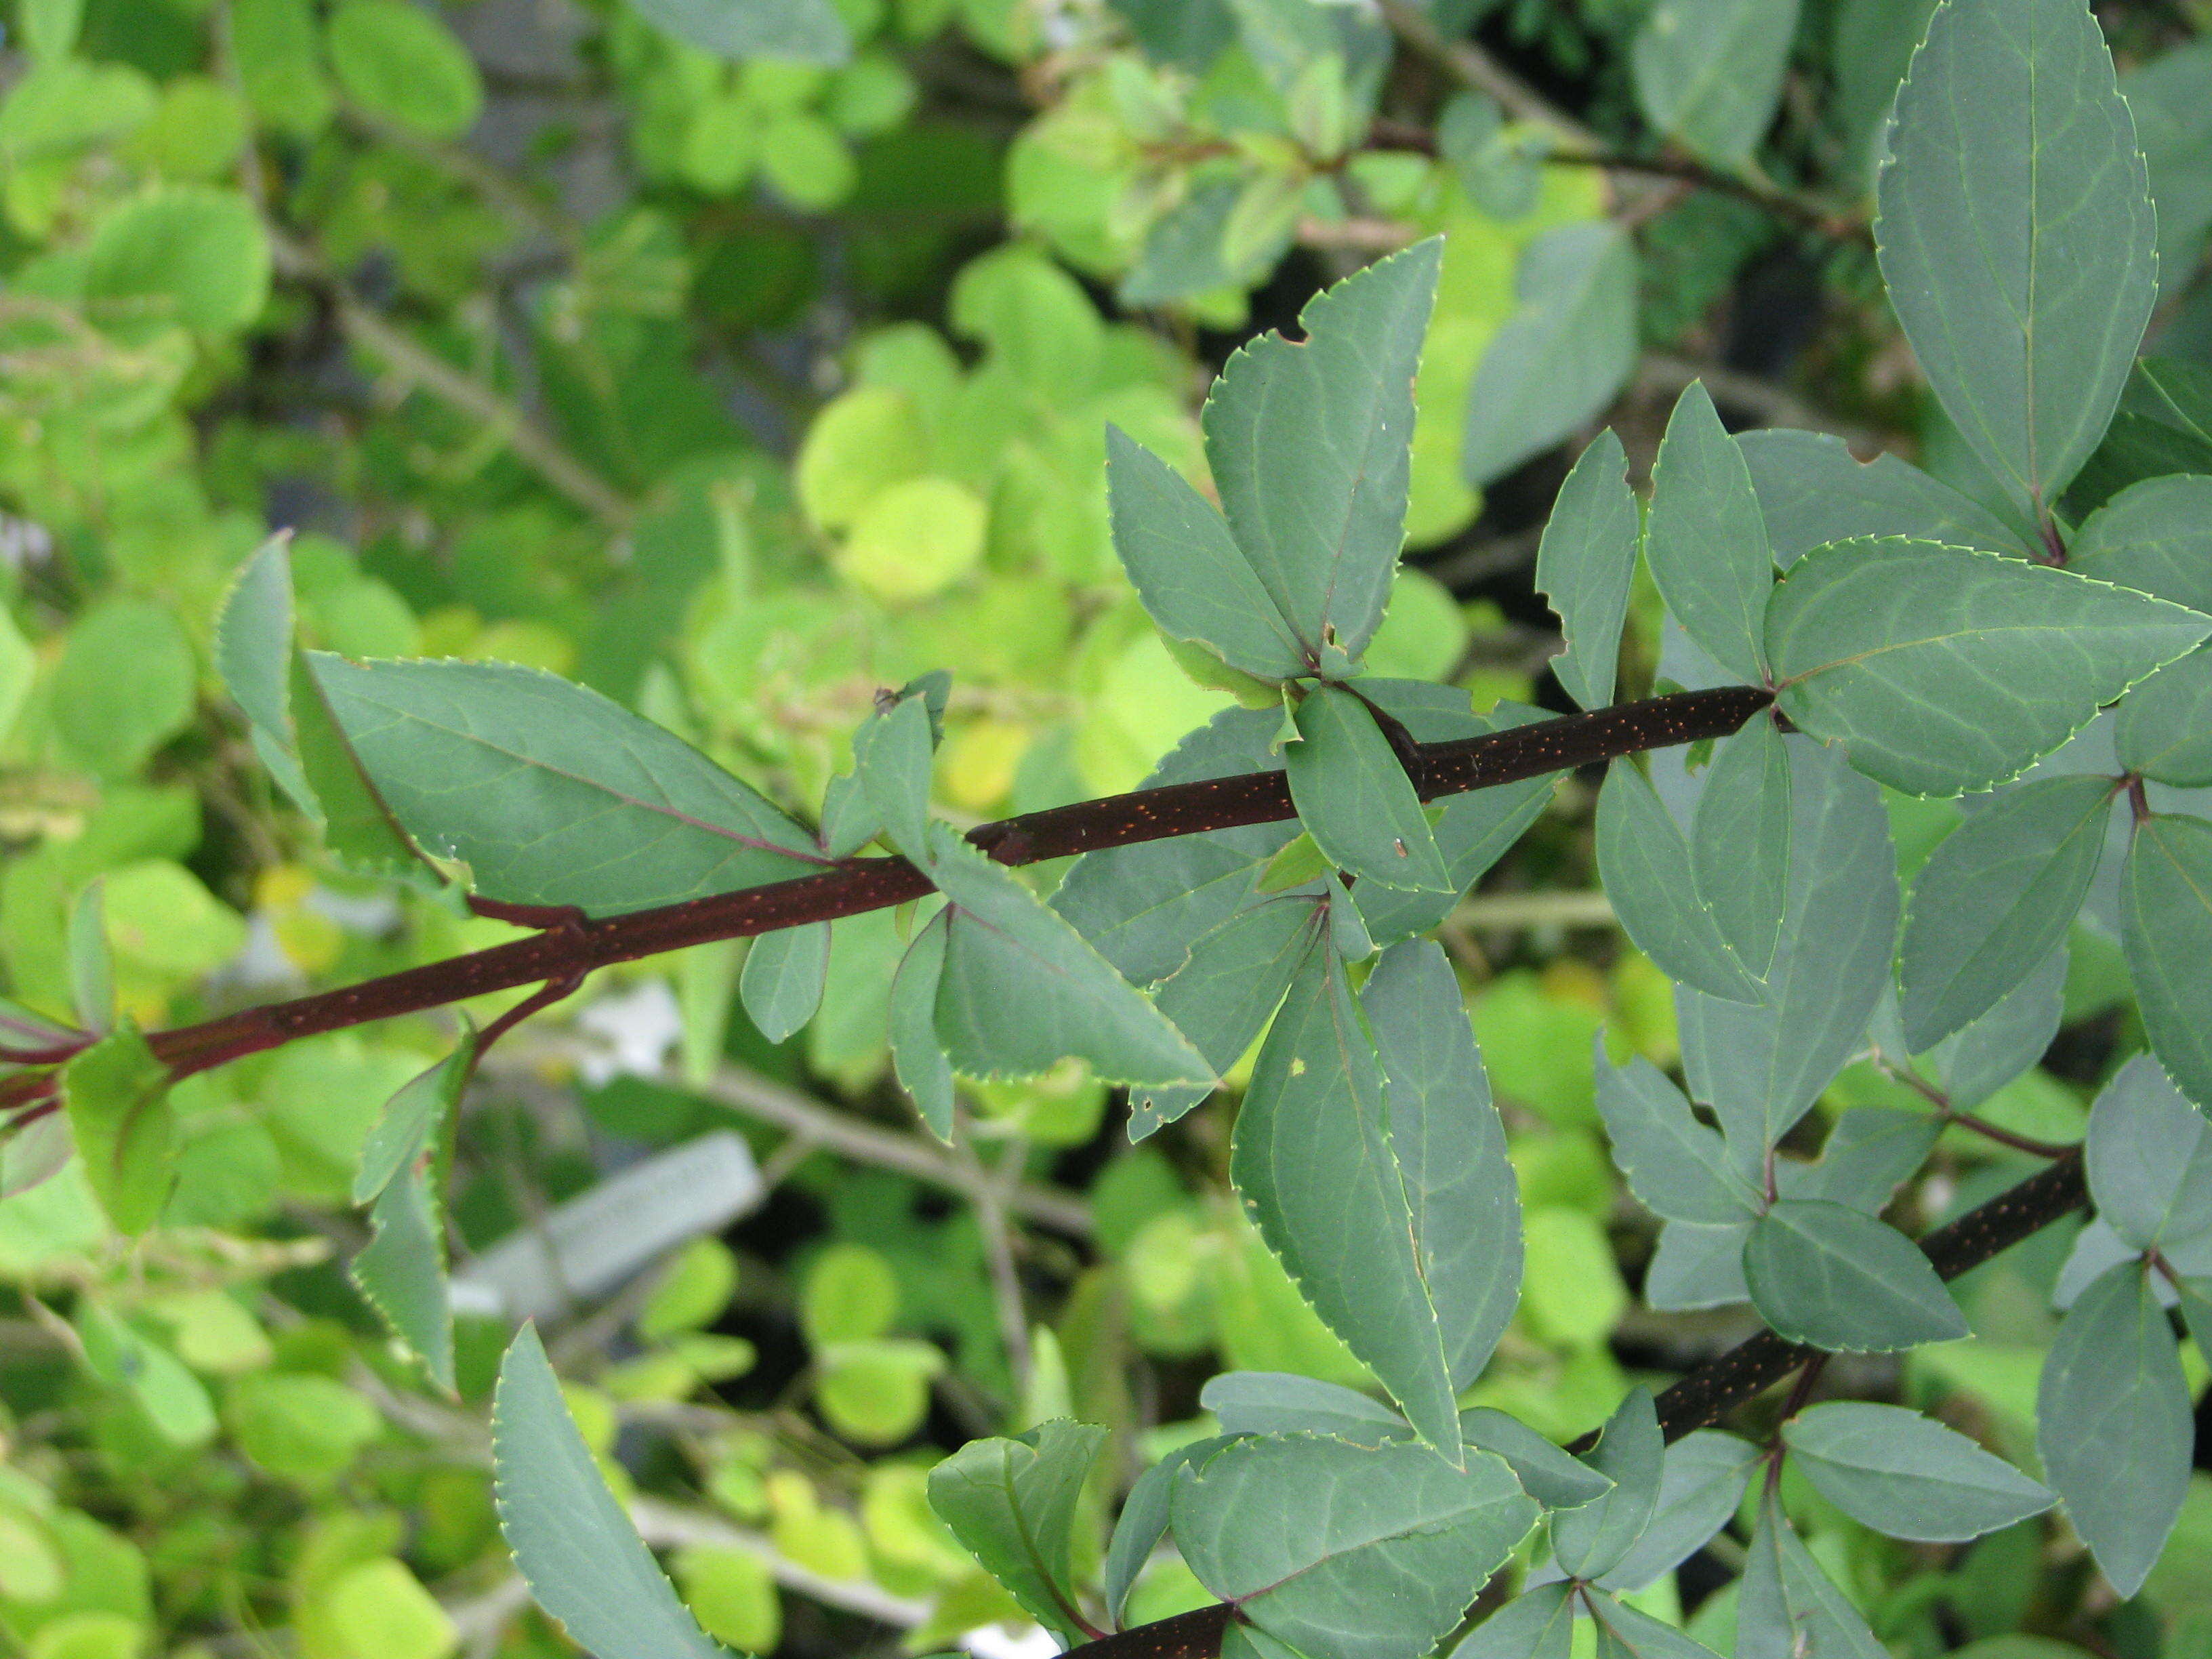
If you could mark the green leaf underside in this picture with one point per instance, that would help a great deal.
(1353, 796)
(116, 1095)
(917, 1055)
(1584, 566)
(1813, 490)
(1283, 1403)
(1907, 1475)
(1187, 567)
(892, 754)
(1020, 989)
(1679, 1168)
(1011, 1503)
(401, 1273)
(1643, 858)
(583, 1560)
(2148, 1154)
(1706, 541)
(783, 976)
(1308, 442)
(1313, 1161)
(2015, 233)
(1380, 1570)
(1838, 1279)
(1740, 843)
(1451, 1147)
(1943, 670)
(550, 794)
(2165, 928)
(1591, 1540)
(1994, 899)
(2113, 1423)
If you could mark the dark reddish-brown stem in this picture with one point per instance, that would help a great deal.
(858, 884)
(1708, 1393)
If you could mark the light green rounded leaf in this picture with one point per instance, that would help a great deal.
(1907, 1475)
(914, 538)
(1943, 670)
(185, 253)
(2015, 233)
(398, 62)
(583, 1560)
(380, 1610)
(125, 686)
(810, 31)
(861, 443)
(1831, 1277)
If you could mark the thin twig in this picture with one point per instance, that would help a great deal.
(1567, 909)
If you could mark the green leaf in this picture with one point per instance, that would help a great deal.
(414, 1121)
(2113, 1424)
(1943, 670)
(1709, 73)
(1222, 998)
(1625, 1633)
(400, 63)
(278, 60)
(1460, 1190)
(1678, 1167)
(2165, 927)
(810, 31)
(1295, 1530)
(1584, 565)
(1706, 542)
(2165, 729)
(1140, 906)
(1697, 1267)
(1591, 1540)
(1787, 1608)
(1700, 1485)
(1282, 1402)
(1559, 359)
(1907, 1475)
(182, 253)
(401, 1273)
(583, 1560)
(1836, 1279)
(1870, 1150)
(1994, 900)
(1644, 859)
(1313, 1160)
(1538, 1623)
(125, 685)
(356, 825)
(1354, 798)
(550, 794)
(1188, 569)
(91, 960)
(892, 754)
(1021, 988)
(1309, 443)
(2155, 537)
(1974, 1062)
(1761, 1067)
(253, 638)
(1813, 490)
(1548, 1474)
(2015, 234)
(2149, 1159)
(782, 979)
(1012, 1503)
(117, 1096)
(1144, 1521)
(917, 1054)
(1740, 843)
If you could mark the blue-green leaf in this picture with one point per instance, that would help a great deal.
(1283, 1403)
(1552, 1477)
(401, 1273)
(810, 31)
(1943, 670)
(917, 1052)
(1706, 542)
(584, 1562)
(2149, 1159)
(1740, 843)
(1592, 1540)
(2113, 1424)
(1709, 72)
(2165, 729)
(1623, 1632)
(1584, 565)
(1678, 1167)
(891, 757)
(1012, 1503)
(1831, 1277)
(2155, 537)
(1644, 861)
(1813, 490)
(2165, 927)
(1788, 1608)
(782, 982)
(1700, 1484)
(1907, 1475)
(2015, 233)
(1354, 798)
(1538, 1623)
(1144, 1519)
(413, 1119)
(1994, 900)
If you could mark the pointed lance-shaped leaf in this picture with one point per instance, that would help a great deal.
(2165, 928)
(1591, 1540)
(1788, 1607)
(1706, 542)
(1012, 1503)
(1907, 1475)
(1837, 1279)
(1700, 1485)
(1354, 798)
(1677, 1166)
(550, 794)
(1584, 565)
(2148, 1157)
(1994, 899)
(1739, 842)
(2015, 233)
(1943, 670)
(401, 1273)
(1308, 444)
(583, 1560)
(1644, 861)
